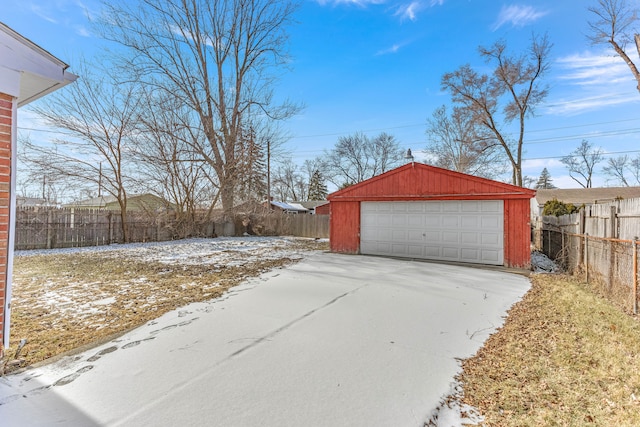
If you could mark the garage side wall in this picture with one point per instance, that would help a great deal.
(517, 233)
(344, 227)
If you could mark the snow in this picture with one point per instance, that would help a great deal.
(191, 251)
(333, 340)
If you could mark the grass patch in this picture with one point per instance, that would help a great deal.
(565, 356)
(62, 302)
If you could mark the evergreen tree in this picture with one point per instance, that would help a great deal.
(252, 175)
(544, 182)
(317, 186)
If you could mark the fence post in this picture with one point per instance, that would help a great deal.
(635, 275)
(586, 256)
(581, 230)
(49, 229)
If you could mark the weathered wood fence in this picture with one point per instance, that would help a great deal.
(48, 228)
(601, 243)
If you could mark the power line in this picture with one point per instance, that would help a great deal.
(604, 154)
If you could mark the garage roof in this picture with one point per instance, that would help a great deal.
(417, 181)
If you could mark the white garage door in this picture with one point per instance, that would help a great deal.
(464, 231)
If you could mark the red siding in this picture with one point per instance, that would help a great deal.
(344, 227)
(6, 120)
(517, 233)
(322, 209)
(422, 182)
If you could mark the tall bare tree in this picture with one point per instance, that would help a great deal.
(219, 57)
(98, 118)
(624, 170)
(167, 165)
(357, 157)
(509, 93)
(288, 182)
(614, 24)
(582, 162)
(457, 142)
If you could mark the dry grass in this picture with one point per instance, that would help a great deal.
(63, 302)
(564, 357)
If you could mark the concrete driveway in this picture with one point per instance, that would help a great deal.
(335, 340)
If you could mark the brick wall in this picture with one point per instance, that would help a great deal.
(6, 120)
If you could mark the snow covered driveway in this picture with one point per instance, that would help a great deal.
(335, 340)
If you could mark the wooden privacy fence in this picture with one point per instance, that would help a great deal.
(48, 228)
(600, 242)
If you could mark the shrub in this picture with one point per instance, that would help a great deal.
(557, 208)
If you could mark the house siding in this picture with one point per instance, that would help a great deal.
(6, 126)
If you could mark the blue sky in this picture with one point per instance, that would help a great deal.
(376, 65)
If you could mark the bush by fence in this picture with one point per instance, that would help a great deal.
(599, 242)
(47, 228)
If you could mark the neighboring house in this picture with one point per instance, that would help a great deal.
(29, 202)
(581, 196)
(313, 205)
(27, 73)
(135, 203)
(289, 207)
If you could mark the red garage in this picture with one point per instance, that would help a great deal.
(425, 212)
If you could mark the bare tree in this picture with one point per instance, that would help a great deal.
(99, 121)
(582, 162)
(614, 25)
(624, 170)
(167, 164)
(217, 56)
(288, 182)
(457, 142)
(357, 157)
(510, 93)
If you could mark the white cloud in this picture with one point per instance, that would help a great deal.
(603, 80)
(81, 30)
(589, 69)
(539, 164)
(568, 107)
(409, 11)
(517, 16)
(392, 49)
(43, 13)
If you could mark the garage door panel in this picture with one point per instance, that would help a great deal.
(450, 221)
(431, 221)
(469, 254)
(492, 221)
(469, 238)
(490, 239)
(449, 252)
(496, 206)
(465, 231)
(450, 237)
(469, 222)
(450, 206)
(432, 236)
